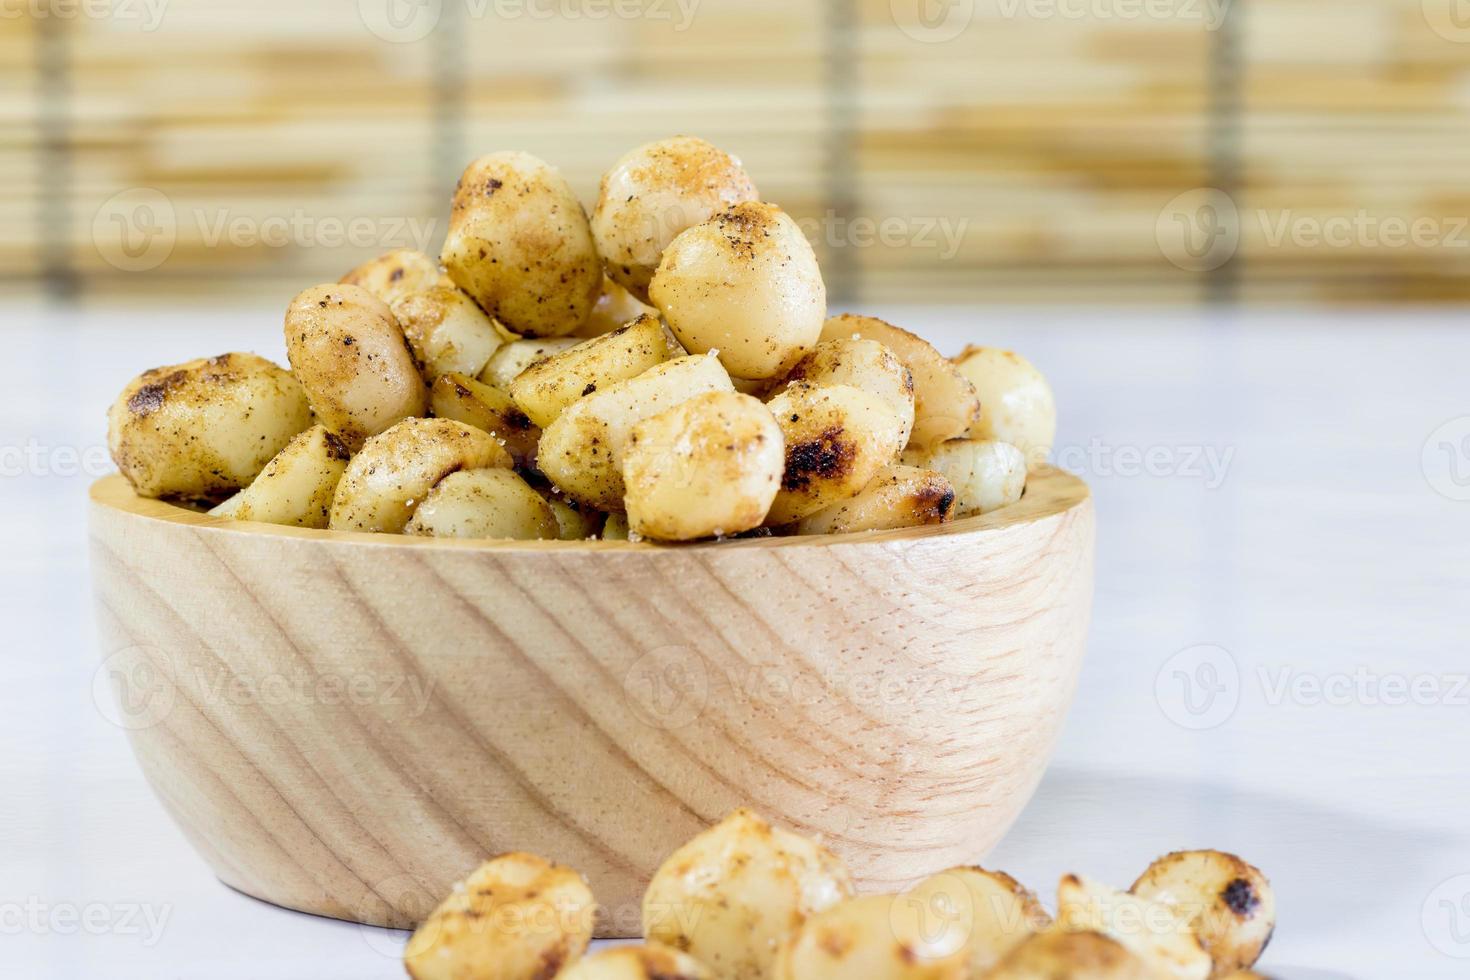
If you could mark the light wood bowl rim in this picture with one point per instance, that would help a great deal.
(1049, 492)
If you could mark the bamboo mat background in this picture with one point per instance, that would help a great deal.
(959, 151)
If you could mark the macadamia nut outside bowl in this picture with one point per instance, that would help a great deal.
(347, 723)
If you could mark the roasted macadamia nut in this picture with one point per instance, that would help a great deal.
(945, 403)
(988, 911)
(507, 363)
(655, 192)
(985, 475)
(396, 274)
(1151, 930)
(1016, 403)
(899, 496)
(837, 439)
(615, 306)
(645, 962)
(1228, 902)
(1059, 955)
(206, 427)
(517, 917)
(447, 331)
(350, 355)
(730, 895)
(744, 283)
(520, 245)
(296, 486)
(876, 937)
(493, 503)
(550, 385)
(707, 467)
(582, 451)
(462, 398)
(864, 364)
(395, 470)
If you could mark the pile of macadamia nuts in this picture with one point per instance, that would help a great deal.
(665, 369)
(748, 901)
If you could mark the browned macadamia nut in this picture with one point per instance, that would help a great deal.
(206, 427)
(520, 245)
(350, 355)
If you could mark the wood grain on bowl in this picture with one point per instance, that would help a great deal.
(347, 723)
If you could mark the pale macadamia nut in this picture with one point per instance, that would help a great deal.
(655, 192)
(707, 467)
(447, 331)
(1016, 403)
(986, 476)
(744, 283)
(730, 895)
(296, 486)
(490, 503)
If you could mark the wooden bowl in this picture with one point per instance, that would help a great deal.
(347, 723)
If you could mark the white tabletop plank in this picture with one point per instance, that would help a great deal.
(1278, 659)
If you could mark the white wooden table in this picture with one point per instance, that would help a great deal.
(1278, 663)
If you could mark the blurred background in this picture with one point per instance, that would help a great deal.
(1151, 152)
